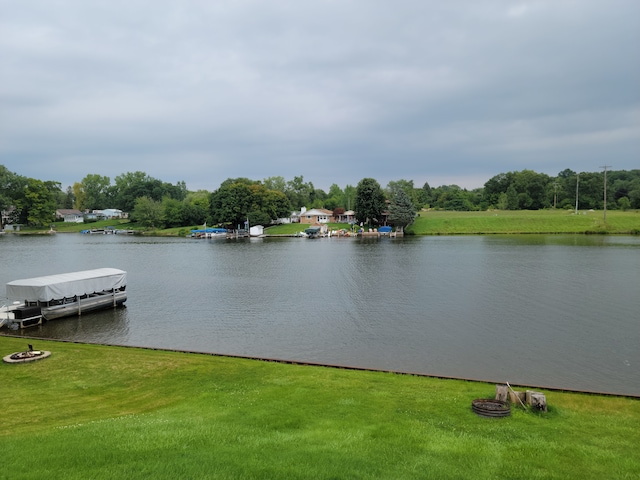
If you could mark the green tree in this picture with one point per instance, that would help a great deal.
(317, 198)
(278, 184)
(349, 197)
(525, 190)
(591, 190)
(452, 197)
(634, 198)
(335, 198)
(177, 192)
(275, 204)
(402, 211)
(172, 212)
(148, 212)
(132, 185)
(423, 195)
(370, 201)
(230, 204)
(11, 188)
(532, 189)
(497, 185)
(405, 185)
(196, 208)
(96, 192)
(79, 196)
(503, 202)
(299, 192)
(240, 199)
(624, 203)
(37, 206)
(67, 200)
(512, 198)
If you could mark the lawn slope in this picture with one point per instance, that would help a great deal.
(110, 412)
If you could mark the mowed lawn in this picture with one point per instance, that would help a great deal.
(101, 412)
(525, 221)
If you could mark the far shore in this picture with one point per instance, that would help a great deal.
(429, 222)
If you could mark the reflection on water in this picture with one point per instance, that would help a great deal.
(556, 311)
(105, 326)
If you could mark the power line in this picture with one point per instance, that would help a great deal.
(605, 191)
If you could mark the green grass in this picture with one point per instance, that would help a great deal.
(524, 221)
(109, 412)
(293, 228)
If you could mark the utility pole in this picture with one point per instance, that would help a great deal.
(605, 191)
(577, 183)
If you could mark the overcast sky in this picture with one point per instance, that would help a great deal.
(444, 92)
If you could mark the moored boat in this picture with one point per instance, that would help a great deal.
(56, 296)
(209, 233)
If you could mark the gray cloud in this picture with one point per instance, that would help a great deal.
(444, 92)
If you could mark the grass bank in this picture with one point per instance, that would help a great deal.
(108, 412)
(508, 222)
(525, 221)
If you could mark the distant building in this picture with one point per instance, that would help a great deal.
(6, 216)
(347, 217)
(316, 215)
(109, 213)
(70, 215)
(256, 230)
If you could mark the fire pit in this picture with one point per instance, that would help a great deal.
(489, 407)
(28, 356)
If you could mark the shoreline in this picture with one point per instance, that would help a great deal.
(323, 365)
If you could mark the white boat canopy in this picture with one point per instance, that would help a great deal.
(66, 285)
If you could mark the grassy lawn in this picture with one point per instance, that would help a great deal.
(108, 412)
(525, 221)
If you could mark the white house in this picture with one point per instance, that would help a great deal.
(109, 213)
(70, 215)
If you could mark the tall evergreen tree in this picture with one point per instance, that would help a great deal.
(401, 211)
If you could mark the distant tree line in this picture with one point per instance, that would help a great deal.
(158, 204)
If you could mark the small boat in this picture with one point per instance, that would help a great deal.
(313, 232)
(63, 295)
(209, 233)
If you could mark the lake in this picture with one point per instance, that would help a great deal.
(539, 310)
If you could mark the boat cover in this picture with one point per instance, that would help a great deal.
(66, 285)
(210, 230)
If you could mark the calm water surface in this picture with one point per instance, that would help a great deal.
(548, 311)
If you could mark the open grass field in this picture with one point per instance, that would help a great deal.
(103, 412)
(525, 221)
(438, 222)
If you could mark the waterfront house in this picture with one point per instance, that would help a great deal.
(347, 217)
(109, 213)
(316, 216)
(69, 215)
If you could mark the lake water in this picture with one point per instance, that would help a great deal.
(546, 311)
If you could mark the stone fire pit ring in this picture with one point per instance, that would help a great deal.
(25, 357)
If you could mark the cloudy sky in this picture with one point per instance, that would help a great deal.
(444, 92)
